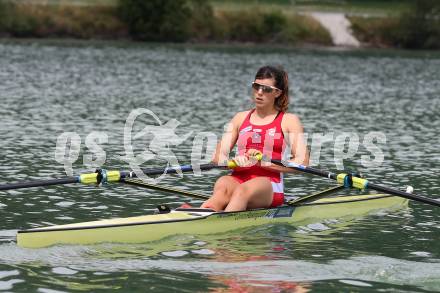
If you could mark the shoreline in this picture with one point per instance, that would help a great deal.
(231, 46)
(213, 22)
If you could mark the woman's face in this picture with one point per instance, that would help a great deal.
(265, 92)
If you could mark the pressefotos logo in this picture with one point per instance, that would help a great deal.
(163, 137)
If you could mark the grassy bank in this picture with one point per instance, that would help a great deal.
(370, 7)
(362, 6)
(411, 24)
(418, 27)
(268, 26)
(23, 19)
(198, 22)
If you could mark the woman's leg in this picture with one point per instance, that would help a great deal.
(252, 194)
(223, 189)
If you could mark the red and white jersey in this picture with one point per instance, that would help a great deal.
(268, 139)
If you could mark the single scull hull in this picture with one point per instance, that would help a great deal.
(154, 227)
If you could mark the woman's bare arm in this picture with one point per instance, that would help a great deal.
(229, 139)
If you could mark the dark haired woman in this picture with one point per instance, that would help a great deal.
(265, 129)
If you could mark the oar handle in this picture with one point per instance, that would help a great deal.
(232, 164)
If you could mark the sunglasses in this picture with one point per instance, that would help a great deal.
(266, 88)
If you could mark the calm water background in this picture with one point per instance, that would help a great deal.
(50, 88)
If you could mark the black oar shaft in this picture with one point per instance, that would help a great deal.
(404, 194)
(169, 170)
(92, 177)
(306, 169)
(66, 180)
(368, 184)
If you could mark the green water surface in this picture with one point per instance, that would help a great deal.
(48, 88)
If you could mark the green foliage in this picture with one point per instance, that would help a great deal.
(58, 20)
(306, 29)
(273, 22)
(416, 28)
(14, 24)
(272, 26)
(251, 25)
(419, 27)
(5, 15)
(164, 20)
(202, 24)
(159, 20)
(2, 12)
(376, 31)
(150, 20)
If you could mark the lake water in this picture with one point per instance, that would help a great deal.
(48, 88)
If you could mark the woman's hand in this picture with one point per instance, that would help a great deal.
(252, 153)
(248, 159)
(243, 161)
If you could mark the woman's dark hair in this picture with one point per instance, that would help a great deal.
(281, 82)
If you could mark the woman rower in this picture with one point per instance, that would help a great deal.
(264, 129)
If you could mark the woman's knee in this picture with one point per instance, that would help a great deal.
(242, 191)
(220, 188)
(221, 196)
(225, 185)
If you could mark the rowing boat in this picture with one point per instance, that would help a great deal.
(147, 228)
(191, 221)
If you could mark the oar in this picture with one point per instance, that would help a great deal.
(352, 181)
(103, 176)
(107, 176)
